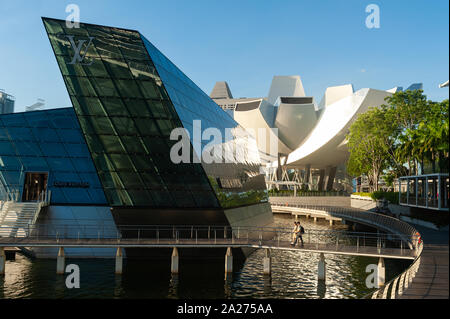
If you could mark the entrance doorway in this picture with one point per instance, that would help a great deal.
(34, 185)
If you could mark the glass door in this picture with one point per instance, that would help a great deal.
(35, 184)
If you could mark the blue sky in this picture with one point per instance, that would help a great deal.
(244, 42)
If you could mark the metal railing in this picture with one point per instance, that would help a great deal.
(395, 287)
(403, 230)
(298, 193)
(212, 235)
(387, 223)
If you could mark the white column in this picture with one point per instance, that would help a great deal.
(267, 263)
(417, 188)
(119, 261)
(2, 261)
(60, 261)
(439, 195)
(175, 261)
(321, 271)
(228, 261)
(381, 272)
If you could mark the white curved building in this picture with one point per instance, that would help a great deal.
(309, 138)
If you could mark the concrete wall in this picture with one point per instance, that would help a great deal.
(84, 220)
(259, 215)
(363, 203)
(340, 201)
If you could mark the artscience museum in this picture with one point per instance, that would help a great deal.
(310, 137)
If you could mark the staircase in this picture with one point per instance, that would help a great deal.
(16, 218)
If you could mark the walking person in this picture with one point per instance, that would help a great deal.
(299, 233)
(294, 233)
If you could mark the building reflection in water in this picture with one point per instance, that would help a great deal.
(173, 286)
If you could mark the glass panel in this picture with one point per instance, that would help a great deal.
(104, 87)
(41, 148)
(138, 108)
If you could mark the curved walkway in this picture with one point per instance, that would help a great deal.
(431, 280)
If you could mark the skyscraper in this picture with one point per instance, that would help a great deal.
(6, 103)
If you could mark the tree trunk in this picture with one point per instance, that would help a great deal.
(433, 162)
(421, 165)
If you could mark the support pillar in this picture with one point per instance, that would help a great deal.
(321, 271)
(60, 261)
(308, 175)
(267, 263)
(175, 261)
(330, 180)
(381, 273)
(279, 173)
(228, 261)
(331, 222)
(119, 261)
(2, 261)
(321, 179)
(315, 219)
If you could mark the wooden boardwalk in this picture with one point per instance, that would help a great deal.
(432, 278)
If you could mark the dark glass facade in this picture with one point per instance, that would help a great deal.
(48, 142)
(235, 178)
(126, 117)
(128, 98)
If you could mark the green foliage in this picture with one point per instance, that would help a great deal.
(369, 144)
(230, 199)
(393, 139)
(389, 178)
(364, 194)
(288, 192)
(392, 197)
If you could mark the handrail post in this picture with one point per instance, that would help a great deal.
(357, 244)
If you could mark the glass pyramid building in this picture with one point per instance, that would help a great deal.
(128, 98)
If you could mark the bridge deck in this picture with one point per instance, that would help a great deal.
(326, 248)
(432, 278)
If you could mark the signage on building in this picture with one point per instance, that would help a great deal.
(71, 184)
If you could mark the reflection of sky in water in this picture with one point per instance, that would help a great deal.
(294, 275)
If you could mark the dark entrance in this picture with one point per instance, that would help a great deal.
(35, 184)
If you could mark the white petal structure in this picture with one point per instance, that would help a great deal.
(285, 86)
(307, 136)
(325, 145)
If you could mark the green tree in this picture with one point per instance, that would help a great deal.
(432, 133)
(407, 109)
(369, 143)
